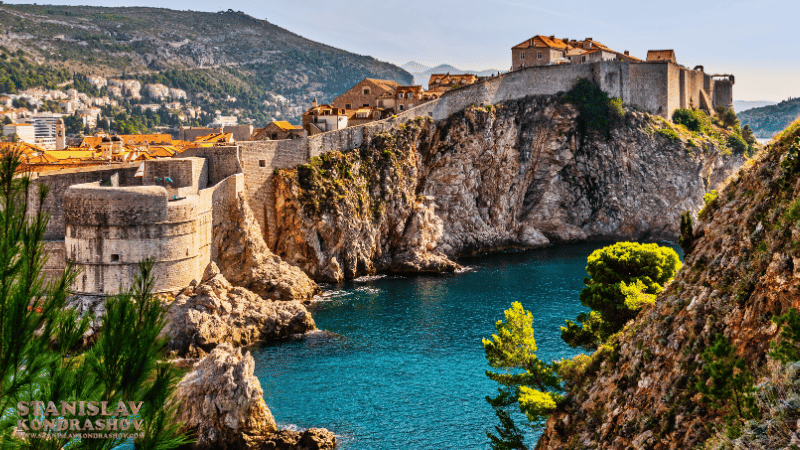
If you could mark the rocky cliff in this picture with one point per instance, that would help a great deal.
(244, 259)
(519, 174)
(640, 392)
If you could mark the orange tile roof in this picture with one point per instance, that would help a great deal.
(542, 41)
(284, 125)
(388, 85)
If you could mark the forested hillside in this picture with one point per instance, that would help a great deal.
(226, 60)
(768, 121)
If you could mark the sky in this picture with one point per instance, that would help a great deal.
(755, 40)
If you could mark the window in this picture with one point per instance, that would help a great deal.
(366, 105)
(583, 59)
(366, 91)
(401, 107)
(522, 55)
(115, 258)
(538, 55)
(274, 137)
(262, 163)
(348, 106)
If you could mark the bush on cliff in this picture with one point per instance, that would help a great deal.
(624, 277)
(39, 361)
(598, 111)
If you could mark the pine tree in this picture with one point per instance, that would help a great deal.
(726, 383)
(526, 381)
(39, 356)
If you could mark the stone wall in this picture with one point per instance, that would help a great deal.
(259, 159)
(59, 181)
(223, 161)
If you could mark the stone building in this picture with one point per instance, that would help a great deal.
(407, 97)
(365, 94)
(277, 130)
(661, 55)
(24, 132)
(107, 220)
(323, 118)
(548, 50)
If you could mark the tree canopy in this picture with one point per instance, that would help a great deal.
(624, 277)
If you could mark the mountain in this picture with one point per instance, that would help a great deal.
(225, 60)
(413, 66)
(744, 105)
(767, 121)
(422, 73)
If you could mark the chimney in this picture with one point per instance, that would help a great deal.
(627, 53)
(553, 37)
(314, 103)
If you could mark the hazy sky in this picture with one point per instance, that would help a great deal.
(756, 40)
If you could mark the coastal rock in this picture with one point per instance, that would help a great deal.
(517, 175)
(222, 404)
(215, 312)
(739, 273)
(244, 258)
(311, 439)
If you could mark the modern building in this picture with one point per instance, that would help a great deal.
(24, 132)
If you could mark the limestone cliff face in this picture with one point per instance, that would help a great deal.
(743, 269)
(245, 260)
(513, 175)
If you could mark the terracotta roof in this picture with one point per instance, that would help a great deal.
(162, 152)
(388, 85)
(409, 89)
(284, 125)
(542, 42)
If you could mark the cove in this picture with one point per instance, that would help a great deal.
(400, 364)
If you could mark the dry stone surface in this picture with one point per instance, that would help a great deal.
(215, 312)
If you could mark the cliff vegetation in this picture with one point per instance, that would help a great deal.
(699, 368)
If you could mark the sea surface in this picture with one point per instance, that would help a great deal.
(400, 364)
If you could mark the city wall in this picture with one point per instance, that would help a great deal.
(110, 227)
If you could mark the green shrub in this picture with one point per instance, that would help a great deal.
(693, 119)
(598, 112)
(686, 239)
(737, 144)
(726, 383)
(788, 350)
(670, 134)
(710, 201)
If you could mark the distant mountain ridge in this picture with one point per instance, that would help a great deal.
(744, 105)
(230, 59)
(422, 73)
(767, 121)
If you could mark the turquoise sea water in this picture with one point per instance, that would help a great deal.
(400, 364)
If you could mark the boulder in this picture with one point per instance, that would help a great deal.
(215, 312)
(311, 439)
(221, 402)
